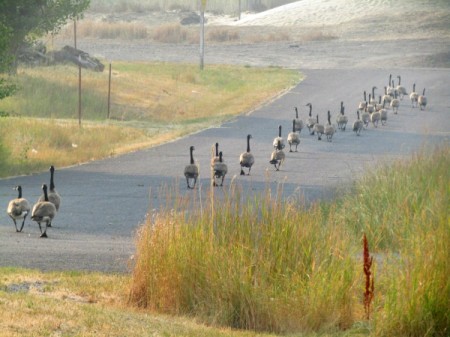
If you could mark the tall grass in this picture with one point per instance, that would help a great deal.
(268, 264)
(257, 264)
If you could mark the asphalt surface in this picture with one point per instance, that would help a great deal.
(104, 202)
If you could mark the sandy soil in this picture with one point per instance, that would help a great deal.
(105, 201)
(316, 34)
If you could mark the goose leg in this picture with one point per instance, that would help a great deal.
(15, 224)
(23, 223)
(44, 235)
(223, 177)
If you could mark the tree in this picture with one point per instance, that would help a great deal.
(25, 20)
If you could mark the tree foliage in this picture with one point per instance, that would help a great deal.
(26, 20)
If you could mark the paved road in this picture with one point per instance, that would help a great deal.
(105, 201)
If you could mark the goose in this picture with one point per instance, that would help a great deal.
(341, 119)
(401, 91)
(215, 155)
(220, 170)
(329, 129)
(53, 195)
(414, 96)
(298, 122)
(277, 158)
(383, 114)
(18, 208)
(310, 121)
(191, 170)
(375, 118)
(358, 124)
(293, 138)
(386, 97)
(362, 105)
(370, 107)
(379, 105)
(391, 88)
(422, 100)
(318, 128)
(278, 139)
(395, 103)
(372, 99)
(43, 211)
(365, 118)
(246, 159)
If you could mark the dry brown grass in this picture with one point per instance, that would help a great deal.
(174, 32)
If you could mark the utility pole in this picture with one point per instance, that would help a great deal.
(202, 33)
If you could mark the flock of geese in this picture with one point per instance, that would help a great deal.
(369, 110)
(44, 210)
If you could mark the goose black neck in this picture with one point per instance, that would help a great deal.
(19, 189)
(365, 96)
(310, 110)
(44, 188)
(217, 149)
(279, 131)
(399, 79)
(192, 154)
(423, 94)
(317, 118)
(52, 184)
(220, 156)
(296, 112)
(248, 143)
(293, 125)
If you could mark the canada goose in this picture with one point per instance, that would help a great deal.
(341, 119)
(370, 107)
(362, 105)
(358, 124)
(293, 138)
(18, 208)
(310, 121)
(277, 157)
(391, 88)
(220, 170)
(375, 118)
(246, 159)
(365, 117)
(386, 97)
(215, 155)
(53, 195)
(414, 96)
(422, 100)
(395, 103)
(372, 99)
(379, 105)
(278, 139)
(383, 114)
(298, 122)
(401, 91)
(191, 170)
(318, 128)
(329, 129)
(43, 211)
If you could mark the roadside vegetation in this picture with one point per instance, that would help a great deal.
(151, 103)
(265, 264)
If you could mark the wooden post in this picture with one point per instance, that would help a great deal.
(109, 91)
(79, 96)
(75, 34)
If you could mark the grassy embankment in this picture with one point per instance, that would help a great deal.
(150, 103)
(266, 264)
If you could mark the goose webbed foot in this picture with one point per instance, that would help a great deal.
(242, 172)
(44, 235)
